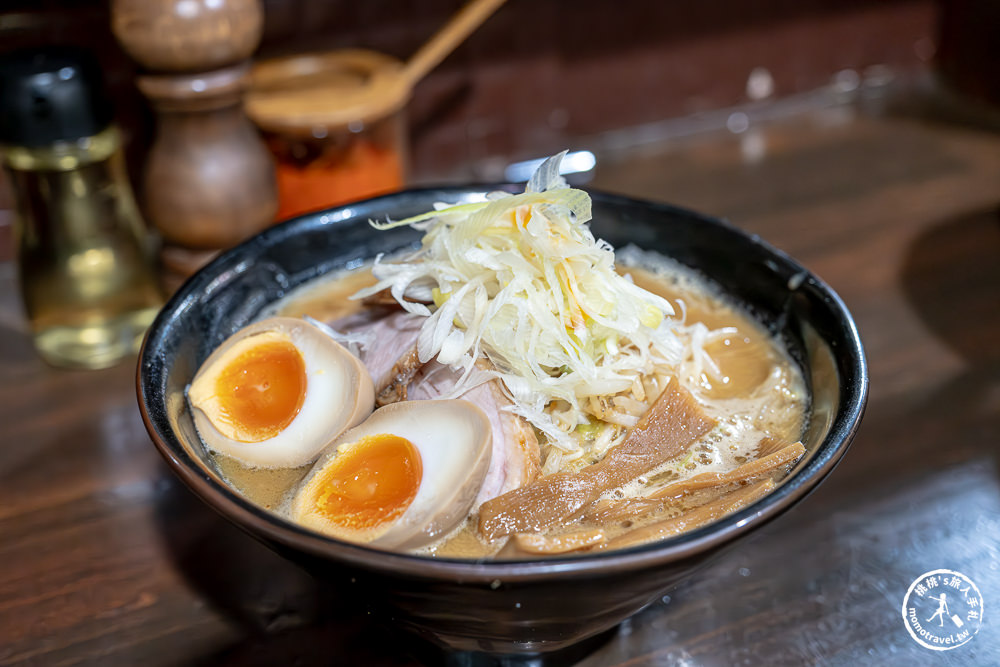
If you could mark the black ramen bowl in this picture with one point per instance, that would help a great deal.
(502, 607)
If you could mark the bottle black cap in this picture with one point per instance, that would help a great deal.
(49, 95)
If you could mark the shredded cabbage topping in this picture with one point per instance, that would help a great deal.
(522, 280)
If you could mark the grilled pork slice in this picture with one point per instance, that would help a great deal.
(515, 460)
(390, 354)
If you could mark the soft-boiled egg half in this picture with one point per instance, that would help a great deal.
(402, 479)
(275, 393)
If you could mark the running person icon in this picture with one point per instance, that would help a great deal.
(941, 610)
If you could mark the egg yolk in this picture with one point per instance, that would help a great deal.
(370, 484)
(262, 389)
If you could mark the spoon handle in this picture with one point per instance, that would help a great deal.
(470, 17)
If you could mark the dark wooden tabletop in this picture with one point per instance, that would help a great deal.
(106, 558)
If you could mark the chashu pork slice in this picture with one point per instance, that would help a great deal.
(390, 353)
(516, 455)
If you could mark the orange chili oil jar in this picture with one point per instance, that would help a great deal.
(335, 122)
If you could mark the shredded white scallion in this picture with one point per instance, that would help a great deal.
(522, 280)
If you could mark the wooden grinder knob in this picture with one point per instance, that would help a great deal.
(209, 180)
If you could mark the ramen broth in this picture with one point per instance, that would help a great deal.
(758, 396)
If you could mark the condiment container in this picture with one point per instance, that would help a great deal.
(82, 251)
(335, 122)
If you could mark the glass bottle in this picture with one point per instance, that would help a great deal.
(83, 258)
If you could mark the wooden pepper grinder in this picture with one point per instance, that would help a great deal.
(209, 179)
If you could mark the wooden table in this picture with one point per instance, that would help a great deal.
(105, 558)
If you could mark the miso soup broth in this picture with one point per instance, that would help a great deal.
(737, 373)
(510, 388)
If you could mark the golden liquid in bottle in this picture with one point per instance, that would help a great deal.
(87, 285)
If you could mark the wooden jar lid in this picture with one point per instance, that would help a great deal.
(325, 90)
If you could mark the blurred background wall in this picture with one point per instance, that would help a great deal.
(542, 75)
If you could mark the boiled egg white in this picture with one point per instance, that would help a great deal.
(402, 479)
(275, 393)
